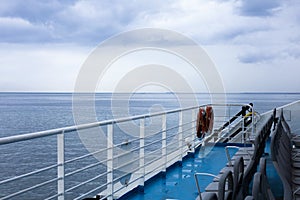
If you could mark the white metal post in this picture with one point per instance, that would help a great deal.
(194, 114)
(243, 129)
(110, 153)
(61, 167)
(180, 143)
(164, 142)
(229, 118)
(253, 122)
(142, 152)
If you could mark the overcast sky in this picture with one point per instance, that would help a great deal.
(255, 44)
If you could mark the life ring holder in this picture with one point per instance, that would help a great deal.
(209, 119)
(200, 122)
(205, 121)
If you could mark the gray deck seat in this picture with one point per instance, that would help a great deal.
(245, 151)
(238, 173)
(263, 171)
(226, 180)
(245, 161)
(224, 189)
(281, 150)
(245, 173)
(259, 146)
(258, 188)
(246, 156)
(208, 196)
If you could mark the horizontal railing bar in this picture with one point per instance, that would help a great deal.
(82, 169)
(157, 167)
(53, 196)
(89, 192)
(172, 143)
(126, 153)
(128, 172)
(187, 123)
(188, 129)
(153, 142)
(130, 183)
(87, 181)
(84, 156)
(155, 158)
(152, 152)
(127, 141)
(28, 136)
(170, 136)
(148, 144)
(127, 163)
(28, 174)
(172, 128)
(30, 188)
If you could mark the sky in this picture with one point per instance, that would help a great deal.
(254, 44)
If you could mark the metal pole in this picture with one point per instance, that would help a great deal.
(110, 153)
(164, 142)
(252, 120)
(142, 152)
(180, 135)
(194, 114)
(61, 167)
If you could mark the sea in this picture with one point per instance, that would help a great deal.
(22, 113)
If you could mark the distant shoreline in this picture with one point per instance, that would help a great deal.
(148, 93)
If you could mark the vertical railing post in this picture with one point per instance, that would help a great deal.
(142, 152)
(180, 133)
(61, 167)
(253, 122)
(243, 128)
(164, 142)
(194, 119)
(229, 117)
(110, 153)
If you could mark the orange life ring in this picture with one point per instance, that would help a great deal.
(209, 119)
(200, 123)
(205, 121)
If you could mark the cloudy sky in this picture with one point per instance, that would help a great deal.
(255, 44)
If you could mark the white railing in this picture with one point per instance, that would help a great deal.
(116, 172)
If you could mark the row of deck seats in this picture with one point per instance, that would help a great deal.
(234, 180)
(285, 151)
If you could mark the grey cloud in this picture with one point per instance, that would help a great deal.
(258, 7)
(79, 21)
(258, 57)
(264, 55)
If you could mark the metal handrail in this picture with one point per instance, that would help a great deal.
(182, 148)
(228, 155)
(197, 181)
(29, 136)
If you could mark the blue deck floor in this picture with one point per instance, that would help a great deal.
(179, 183)
(273, 178)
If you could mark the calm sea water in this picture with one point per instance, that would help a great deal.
(30, 112)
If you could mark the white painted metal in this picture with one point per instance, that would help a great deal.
(60, 165)
(112, 188)
(164, 142)
(110, 156)
(180, 138)
(142, 152)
